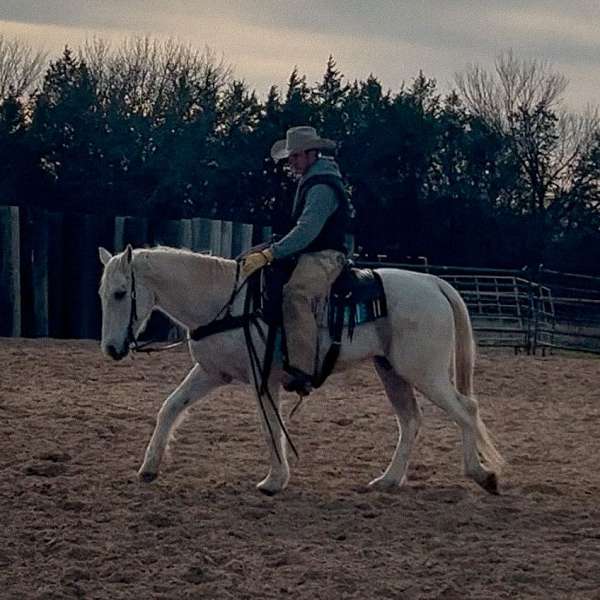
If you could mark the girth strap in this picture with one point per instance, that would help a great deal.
(227, 323)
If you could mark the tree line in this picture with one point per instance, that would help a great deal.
(494, 173)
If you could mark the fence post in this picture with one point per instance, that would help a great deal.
(40, 277)
(57, 309)
(10, 274)
(130, 230)
(215, 237)
(226, 238)
(167, 232)
(82, 274)
(241, 238)
(185, 234)
(201, 229)
(535, 294)
(266, 233)
(34, 272)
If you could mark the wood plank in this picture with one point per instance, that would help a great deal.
(226, 238)
(201, 229)
(130, 230)
(241, 238)
(57, 306)
(215, 237)
(10, 276)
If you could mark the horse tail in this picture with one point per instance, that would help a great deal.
(464, 343)
(464, 364)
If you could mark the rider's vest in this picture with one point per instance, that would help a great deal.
(333, 233)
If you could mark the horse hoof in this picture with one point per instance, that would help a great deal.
(386, 485)
(490, 484)
(270, 488)
(147, 476)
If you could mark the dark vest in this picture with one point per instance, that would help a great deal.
(333, 234)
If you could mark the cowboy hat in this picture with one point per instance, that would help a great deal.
(299, 139)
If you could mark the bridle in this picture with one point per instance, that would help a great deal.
(131, 339)
(218, 324)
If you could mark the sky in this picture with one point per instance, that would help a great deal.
(392, 39)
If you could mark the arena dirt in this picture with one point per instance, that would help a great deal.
(76, 523)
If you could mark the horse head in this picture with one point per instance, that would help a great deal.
(126, 303)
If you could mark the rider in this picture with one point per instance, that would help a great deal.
(322, 213)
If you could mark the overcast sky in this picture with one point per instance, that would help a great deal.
(393, 39)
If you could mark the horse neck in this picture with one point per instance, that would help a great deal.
(190, 288)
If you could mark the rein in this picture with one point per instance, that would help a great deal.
(260, 370)
(217, 324)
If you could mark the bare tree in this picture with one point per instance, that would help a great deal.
(20, 66)
(145, 74)
(522, 100)
(514, 85)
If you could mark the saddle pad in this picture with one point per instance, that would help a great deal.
(357, 297)
(361, 285)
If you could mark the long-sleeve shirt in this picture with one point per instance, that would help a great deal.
(321, 203)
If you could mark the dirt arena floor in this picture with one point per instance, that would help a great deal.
(76, 523)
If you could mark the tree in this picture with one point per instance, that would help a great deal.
(161, 104)
(20, 67)
(15, 161)
(328, 99)
(65, 131)
(521, 100)
(297, 108)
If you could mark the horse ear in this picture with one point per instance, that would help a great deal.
(104, 254)
(129, 253)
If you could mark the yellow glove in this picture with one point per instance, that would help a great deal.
(255, 261)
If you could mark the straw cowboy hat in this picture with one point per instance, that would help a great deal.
(298, 139)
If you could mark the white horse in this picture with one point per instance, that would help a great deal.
(425, 337)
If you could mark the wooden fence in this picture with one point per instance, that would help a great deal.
(49, 266)
(50, 271)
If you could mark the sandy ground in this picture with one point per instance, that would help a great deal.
(76, 523)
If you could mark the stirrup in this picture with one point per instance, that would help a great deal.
(302, 388)
(300, 382)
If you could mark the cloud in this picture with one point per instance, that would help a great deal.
(392, 39)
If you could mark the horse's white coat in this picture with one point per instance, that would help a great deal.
(426, 334)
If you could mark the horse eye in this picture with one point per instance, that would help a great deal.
(120, 295)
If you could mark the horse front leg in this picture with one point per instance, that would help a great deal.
(279, 473)
(196, 385)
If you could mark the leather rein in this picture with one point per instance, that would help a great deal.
(260, 369)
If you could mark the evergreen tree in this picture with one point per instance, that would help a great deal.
(65, 132)
(15, 160)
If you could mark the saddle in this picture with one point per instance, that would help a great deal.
(357, 296)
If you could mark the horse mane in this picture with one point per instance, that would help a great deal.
(172, 250)
(215, 264)
(184, 252)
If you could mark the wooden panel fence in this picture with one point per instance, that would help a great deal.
(50, 271)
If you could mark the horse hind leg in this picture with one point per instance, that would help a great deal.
(408, 415)
(477, 444)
